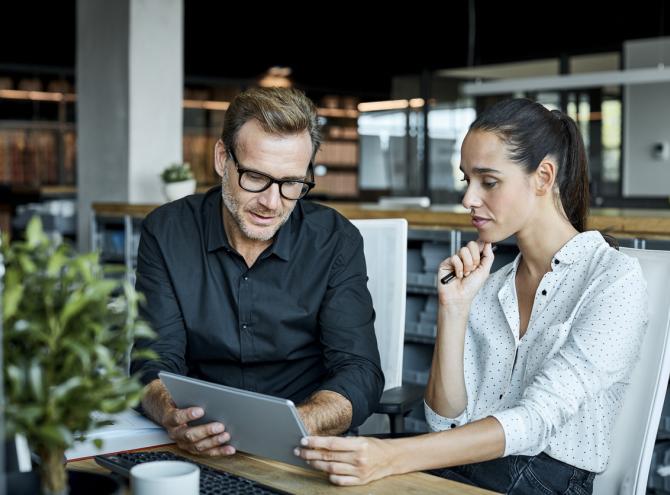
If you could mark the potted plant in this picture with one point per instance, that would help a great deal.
(67, 335)
(178, 181)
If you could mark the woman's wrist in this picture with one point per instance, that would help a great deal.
(396, 456)
(454, 314)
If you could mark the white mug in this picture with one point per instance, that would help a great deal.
(164, 478)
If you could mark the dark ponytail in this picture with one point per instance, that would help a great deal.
(532, 132)
(573, 179)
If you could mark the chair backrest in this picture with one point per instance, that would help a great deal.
(385, 245)
(635, 430)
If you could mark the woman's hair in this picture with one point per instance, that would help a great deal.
(277, 110)
(531, 132)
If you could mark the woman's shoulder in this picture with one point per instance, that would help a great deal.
(609, 260)
(609, 269)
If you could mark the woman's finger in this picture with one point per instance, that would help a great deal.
(332, 443)
(466, 258)
(487, 255)
(458, 265)
(325, 455)
(337, 468)
(337, 479)
(474, 249)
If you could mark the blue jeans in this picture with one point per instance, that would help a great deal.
(523, 475)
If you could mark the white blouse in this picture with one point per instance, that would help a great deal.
(559, 388)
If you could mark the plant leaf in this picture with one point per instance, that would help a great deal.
(35, 379)
(56, 435)
(60, 391)
(34, 232)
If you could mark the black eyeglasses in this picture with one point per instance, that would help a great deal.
(255, 182)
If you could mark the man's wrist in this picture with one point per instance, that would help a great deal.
(156, 400)
(326, 413)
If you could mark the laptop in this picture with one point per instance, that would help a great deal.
(258, 424)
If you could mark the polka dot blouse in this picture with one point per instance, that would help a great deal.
(559, 388)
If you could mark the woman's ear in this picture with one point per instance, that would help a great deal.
(545, 176)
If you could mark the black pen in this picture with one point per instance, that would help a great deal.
(450, 276)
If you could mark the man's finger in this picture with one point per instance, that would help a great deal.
(218, 451)
(180, 416)
(194, 434)
(214, 441)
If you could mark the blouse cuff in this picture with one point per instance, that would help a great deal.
(436, 422)
(514, 423)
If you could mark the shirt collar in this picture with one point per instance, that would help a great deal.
(216, 234)
(579, 247)
(575, 249)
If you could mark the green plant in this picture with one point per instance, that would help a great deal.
(177, 172)
(67, 335)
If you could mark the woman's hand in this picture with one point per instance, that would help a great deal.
(471, 268)
(348, 460)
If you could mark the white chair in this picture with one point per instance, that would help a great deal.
(385, 246)
(635, 430)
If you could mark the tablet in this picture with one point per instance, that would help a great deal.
(258, 424)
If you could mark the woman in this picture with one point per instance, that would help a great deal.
(530, 363)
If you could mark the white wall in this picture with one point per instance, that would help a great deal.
(646, 122)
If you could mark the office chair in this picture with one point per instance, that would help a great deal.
(385, 246)
(635, 429)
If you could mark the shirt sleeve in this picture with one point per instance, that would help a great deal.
(600, 351)
(437, 422)
(346, 321)
(161, 310)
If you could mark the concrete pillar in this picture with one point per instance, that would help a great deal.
(129, 82)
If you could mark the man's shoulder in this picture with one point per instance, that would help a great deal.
(181, 213)
(326, 220)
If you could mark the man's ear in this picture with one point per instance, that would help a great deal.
(545, 176)
(220, 156)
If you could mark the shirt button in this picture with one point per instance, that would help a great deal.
(544, 292)
(453, 425)
(244, 327)
(556, 262)
(246, 278)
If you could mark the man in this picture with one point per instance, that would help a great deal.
(250, 287)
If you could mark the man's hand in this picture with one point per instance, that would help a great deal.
(209, 439)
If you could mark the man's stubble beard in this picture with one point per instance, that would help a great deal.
(233, 207)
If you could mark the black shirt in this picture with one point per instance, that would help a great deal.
(299, 320)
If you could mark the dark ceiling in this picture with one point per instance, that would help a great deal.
(342, 49)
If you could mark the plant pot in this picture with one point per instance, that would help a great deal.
(79, 483)
(176, 190)
(82, 482)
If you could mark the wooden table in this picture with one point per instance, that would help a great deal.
(297, 480)
(620, 222)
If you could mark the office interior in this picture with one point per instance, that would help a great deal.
(98, 98)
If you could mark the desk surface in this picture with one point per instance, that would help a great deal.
(297, 480)
(648, 224)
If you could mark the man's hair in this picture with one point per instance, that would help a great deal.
(277, 110)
